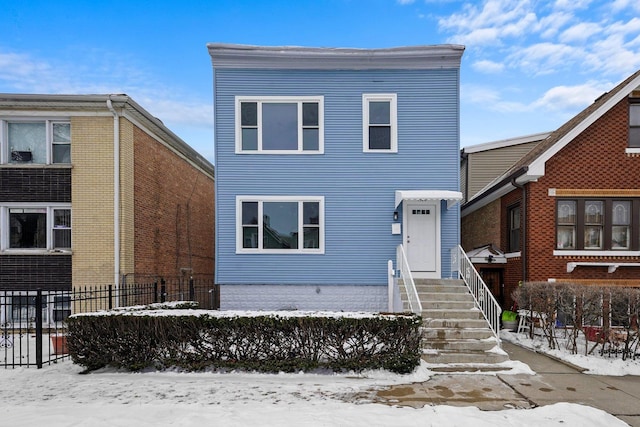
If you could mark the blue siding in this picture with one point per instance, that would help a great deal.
(359, 188)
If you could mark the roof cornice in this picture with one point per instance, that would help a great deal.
(294, 57)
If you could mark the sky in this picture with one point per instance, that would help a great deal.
(528, 65)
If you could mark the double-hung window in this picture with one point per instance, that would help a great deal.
(606, 224)
(514, 228)
(35, 141)
(280, 224)
(379, 123)
(634, 123)
(33, 228)
(280, 125)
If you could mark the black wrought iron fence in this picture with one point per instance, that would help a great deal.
(32, 322)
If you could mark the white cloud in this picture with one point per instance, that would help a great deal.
(571, 98)
(487, 66)
(619, 5)
(405, 1)
(580, 32)
(491, 22)
(544, 58)
(549, 26)
(571, 4)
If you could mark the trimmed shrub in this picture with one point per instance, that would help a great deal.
(265, 342)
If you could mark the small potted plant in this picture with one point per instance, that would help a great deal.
(509, 320)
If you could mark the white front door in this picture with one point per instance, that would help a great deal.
(422, 238)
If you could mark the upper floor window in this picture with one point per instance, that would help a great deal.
(280, 125)
(379, 123)
(40, 142)
(605, 224)
(634, 123)
(35, 227)
(274, 224)
(514, 228)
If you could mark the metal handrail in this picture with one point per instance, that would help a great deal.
(407, 280)
(484, 299)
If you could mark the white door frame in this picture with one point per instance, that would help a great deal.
(405, 220)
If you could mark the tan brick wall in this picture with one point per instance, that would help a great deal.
(174, 212)
(92, 200)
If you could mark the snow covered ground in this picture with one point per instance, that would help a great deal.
(59, 395)
(594, 364)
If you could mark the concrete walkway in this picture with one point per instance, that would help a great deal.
(554, 382)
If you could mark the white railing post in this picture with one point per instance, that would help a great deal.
(481, 293)
(407, 281)
(390, 285)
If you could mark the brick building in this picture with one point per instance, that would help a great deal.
(569, 209)
(94, 188)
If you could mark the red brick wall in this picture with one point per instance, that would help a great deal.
(595, 159)
(173, 213)
(481, 227)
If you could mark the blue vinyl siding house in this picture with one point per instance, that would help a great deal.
(326, 161)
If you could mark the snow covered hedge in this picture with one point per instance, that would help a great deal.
(287, 341)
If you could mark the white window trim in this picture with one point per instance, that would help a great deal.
(4, 138)
(279, 99)
(596, 253)
(5, 227)
(301, 250)
(366, 99)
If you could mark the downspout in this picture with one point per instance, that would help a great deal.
(523, 249)
(116, 201)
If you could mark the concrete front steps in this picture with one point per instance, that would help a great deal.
(454, 331)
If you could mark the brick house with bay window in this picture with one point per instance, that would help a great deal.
(94, 188)
(569, 209)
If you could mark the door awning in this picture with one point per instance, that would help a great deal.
(452, 197)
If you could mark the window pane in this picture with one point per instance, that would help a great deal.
(249, 212)
(62, 218)
(310, 139)
(280, 220)
(566, 238)
(634, 115)
(61, 153)
(280, 126)
(620, 237)
(249, 139)
(62, 132)
(28, 228)
(249, 113)
(593, 237)
(250, 237)
(62, 238)
(634, 137)
(593, 212)
(380, 138)
(621, 212)
(310, 114)
(311, 212)
(380, 113)
(566, 212)
(27, 142)
(311, 237)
